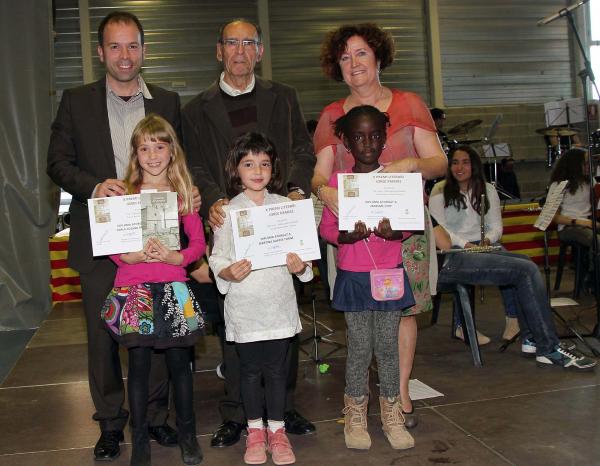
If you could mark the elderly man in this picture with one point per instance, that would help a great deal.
(237, 103)
(88, 157)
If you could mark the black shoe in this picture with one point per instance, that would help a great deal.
(107, 448)
(227, 434)
(164, 435)
(191, 453)
(296, 424)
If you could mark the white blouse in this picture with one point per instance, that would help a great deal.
(576, 205)
(464, 225)
(263, 305)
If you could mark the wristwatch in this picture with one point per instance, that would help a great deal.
(297, 189)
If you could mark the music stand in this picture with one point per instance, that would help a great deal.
(585, 74)
(564, 112)
(317, 338)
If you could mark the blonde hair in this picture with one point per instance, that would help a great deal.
(156, 128)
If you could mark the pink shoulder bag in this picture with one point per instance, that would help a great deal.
(386, 284)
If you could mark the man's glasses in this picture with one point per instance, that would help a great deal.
(235, 43)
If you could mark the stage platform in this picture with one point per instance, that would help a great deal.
(508, 412)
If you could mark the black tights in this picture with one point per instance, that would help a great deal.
(178, 363)
(263, 361)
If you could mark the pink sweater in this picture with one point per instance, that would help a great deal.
(158, 272)
(355, 257)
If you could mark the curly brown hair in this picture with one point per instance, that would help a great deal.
(334, 45)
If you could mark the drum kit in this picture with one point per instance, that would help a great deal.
(558, 140)
(460, 130)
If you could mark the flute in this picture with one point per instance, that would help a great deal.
(482, 216)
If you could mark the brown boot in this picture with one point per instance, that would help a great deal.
(393, 424)
(355, 420)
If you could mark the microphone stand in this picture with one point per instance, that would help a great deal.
(585, 74)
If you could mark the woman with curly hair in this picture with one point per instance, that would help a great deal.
(356, 55)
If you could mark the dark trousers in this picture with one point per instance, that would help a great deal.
(104, 366)
(231, 406)
(178, 363)
(263, 375)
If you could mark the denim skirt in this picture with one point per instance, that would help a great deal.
(352, 292)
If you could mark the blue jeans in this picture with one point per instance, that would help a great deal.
(509, 297)
(520, 275)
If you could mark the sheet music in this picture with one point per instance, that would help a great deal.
(502, 149)
(556, 112)
(553, 200)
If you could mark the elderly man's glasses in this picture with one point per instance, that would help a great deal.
(235, 43)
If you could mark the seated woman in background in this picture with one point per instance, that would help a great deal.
(574, 215)
(538, 333)
(456, 204)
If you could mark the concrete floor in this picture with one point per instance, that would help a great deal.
(508, 412)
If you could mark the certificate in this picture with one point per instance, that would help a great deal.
(120, 224)
(266, 234)
(115, 224)
(369, 197)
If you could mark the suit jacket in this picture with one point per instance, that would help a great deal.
(208, 135)
(80, 154)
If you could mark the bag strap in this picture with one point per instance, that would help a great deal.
(370, 255)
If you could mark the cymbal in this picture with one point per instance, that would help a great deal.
(558, 131)
(465, 127)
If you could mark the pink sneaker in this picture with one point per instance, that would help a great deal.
(256, 447)
(280, 448)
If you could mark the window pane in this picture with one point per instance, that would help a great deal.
(595, 19)
(595, 59)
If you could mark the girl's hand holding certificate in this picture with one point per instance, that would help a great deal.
(237, 271)
(154, 251)
(295, 264)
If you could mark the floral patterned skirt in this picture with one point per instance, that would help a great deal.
(160, 315)
(419, 261)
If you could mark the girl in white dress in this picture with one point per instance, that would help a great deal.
(261, 314)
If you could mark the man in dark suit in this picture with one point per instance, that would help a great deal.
(88, 157)
(237, 103)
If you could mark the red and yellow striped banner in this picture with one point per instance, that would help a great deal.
(64, 281)
(519, 234)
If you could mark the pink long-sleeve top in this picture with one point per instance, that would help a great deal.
(355, 257)
(158, 272)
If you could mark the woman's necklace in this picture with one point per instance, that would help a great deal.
(355, 101)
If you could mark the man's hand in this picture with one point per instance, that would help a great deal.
(111, 187)
(237, 271)
(294, 263)
(196, 199)
(295, 196)
(216, 214)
